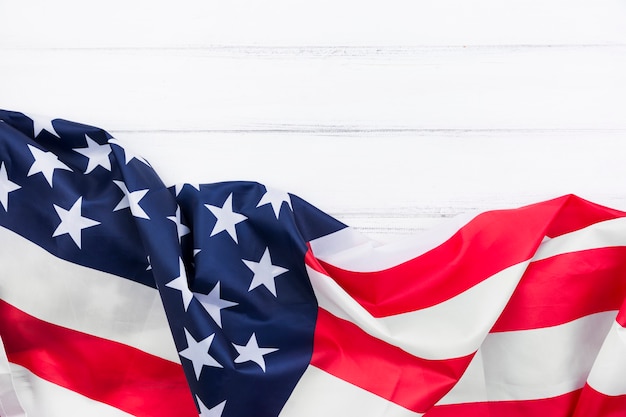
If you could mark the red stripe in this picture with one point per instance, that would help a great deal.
(621, 315)
(561, 406)
(488, 244)
(109, 372)
(566, 287)
(595, 404)
(314, 263)
(345, 351)
(576, 213)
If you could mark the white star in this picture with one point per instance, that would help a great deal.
(6, 187)
(213, 304)
(131, 200)
(180, 227)
(180, 283)
(276, 198)
(97, 154)
(129, 154)
(211, 412)
(226, 218)
(41, 123)
(264, 272)
(72, 222)
(196, 251)
(252, 352)
(46, 163)
(198, 353)
(179, 187)
(149, 267)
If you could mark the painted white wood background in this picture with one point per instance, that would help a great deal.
(391, 115)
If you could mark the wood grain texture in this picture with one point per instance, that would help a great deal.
(392, 116)
(418, 88)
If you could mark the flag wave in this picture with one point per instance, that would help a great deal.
(123, 297)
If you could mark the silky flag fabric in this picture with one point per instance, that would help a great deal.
(122, 297)
(82, 324)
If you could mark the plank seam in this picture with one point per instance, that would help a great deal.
(313, 51)
(364, 130)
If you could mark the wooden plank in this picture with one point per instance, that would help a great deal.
(394, 181)
(200, 23)
(363, 89)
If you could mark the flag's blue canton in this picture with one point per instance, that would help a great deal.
(262, 336)
(228, 260)
(50, 173)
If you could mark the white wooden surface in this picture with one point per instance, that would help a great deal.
(391, 115)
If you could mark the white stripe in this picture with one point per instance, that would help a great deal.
(321, 394)
(350, 250)
(81, 298)
(453, 328)
(9, 403)
(602, 234)
(608, 373)
(533, 364)
(41, 398)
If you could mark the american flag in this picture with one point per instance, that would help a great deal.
(120, 296)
